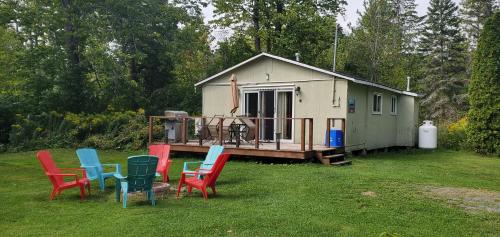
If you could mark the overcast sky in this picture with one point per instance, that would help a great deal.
(350, 15)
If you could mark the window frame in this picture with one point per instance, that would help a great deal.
(395, 100)
(379, 95)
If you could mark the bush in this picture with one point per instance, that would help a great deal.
(117, 130)
(484, 91)
(453, 136)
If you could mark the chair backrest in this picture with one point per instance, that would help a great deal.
(141, 172)
(162, 151)
(216, 169)
(212, 155)
(49, 166)
(250, 131)
(89, 157)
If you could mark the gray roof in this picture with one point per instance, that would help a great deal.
(335, 74)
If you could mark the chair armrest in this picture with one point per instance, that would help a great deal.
(118, 167)
(65, 175)
(197, 172)
(119, 176)
(186, 168)
(193, 162)
(84, 174)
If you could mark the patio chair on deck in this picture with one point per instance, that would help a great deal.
(56, 177)
(209, 177)
(248, 133)
(90, 161)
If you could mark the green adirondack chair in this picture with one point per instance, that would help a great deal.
(140, 177)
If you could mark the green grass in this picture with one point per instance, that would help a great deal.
(261, 199)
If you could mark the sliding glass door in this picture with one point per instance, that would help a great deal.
(283, 111)
(276, 103)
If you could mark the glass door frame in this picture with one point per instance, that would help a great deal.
(259, 90)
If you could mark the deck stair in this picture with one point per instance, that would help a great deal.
(332, 156)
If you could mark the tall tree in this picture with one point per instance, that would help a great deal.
(443, 49)
(382, 46)
(375, 45)
(283, 27)
(484, 91)
(474, 14)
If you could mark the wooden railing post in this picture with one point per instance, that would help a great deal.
(257, 133)
(328, 125)
(221, 130)
(311, 135)
(184, 130)
(302, 134)
(150, 130)
(201, 132)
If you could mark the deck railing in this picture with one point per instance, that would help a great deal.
(305, 123)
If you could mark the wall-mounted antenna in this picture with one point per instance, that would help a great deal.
(335, 47)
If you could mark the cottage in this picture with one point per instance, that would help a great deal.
(376, 116)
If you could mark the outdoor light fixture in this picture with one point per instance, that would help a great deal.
(267, 76)
(297, 90)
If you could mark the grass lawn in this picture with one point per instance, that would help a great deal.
(300, 199)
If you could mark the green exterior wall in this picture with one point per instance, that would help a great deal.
(315, 101)
(368, 130)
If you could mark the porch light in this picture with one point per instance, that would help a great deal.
(297, 91)
(267, 76)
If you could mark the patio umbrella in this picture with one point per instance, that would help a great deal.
(234, 93)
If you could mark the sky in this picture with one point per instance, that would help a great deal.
(350, 15)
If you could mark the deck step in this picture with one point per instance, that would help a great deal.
(334, 156)
(340, 163)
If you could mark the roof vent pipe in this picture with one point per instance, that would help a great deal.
(297, 57)
(407, 83)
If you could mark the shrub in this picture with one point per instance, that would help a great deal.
(117, 130)
(484, 91)
(453, 136)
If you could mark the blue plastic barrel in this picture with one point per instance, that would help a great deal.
(336, 138)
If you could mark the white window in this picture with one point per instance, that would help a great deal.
(394, 105)
(377, 103)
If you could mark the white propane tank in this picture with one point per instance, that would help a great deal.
(427, 135)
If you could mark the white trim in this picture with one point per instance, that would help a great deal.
(381, 103)
(276, 88)
(308, 67)
(269, 86)
(274, 84)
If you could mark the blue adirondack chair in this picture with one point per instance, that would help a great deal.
(212, 155)
(140, 177)
(90, 161)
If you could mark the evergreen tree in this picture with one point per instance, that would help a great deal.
(474, 14)
(484, 91)
(382, 47)
(443, 49)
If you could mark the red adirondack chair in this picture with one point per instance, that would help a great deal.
(162, 151)
(57, 178)
(203, 178)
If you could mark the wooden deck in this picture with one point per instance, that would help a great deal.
(304, 150)
(287, 150)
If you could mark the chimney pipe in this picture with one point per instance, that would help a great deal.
(407, 83)
(297, 57)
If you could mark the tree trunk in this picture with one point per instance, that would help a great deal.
(269, 35)
(73, 84)
(279, 10)
(256, 24)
